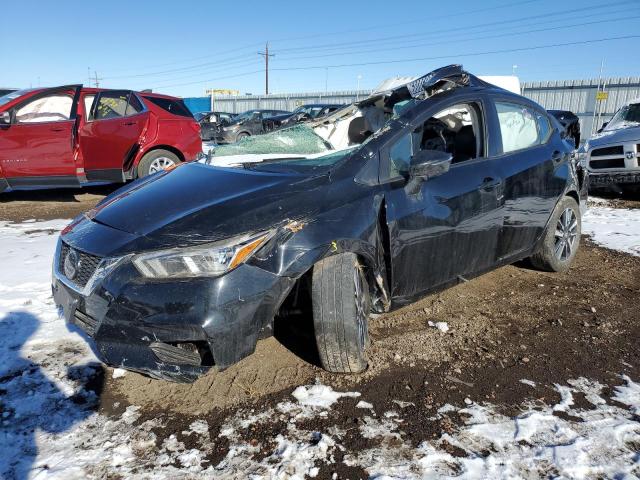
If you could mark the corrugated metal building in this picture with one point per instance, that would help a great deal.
(578, 96)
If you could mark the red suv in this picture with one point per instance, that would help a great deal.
(72, 136)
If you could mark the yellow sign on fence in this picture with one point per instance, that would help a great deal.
(602, 95)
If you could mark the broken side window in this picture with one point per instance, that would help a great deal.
(456, 130)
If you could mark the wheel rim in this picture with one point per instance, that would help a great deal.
(361, 308)
(566, 235)
(160, 163)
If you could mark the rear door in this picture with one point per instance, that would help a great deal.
(528, 160)
(111, 134)
(39, 142)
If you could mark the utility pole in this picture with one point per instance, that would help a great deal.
(266, 56)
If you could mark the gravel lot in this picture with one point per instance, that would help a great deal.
(510, 325)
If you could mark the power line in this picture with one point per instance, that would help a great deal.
(488, 52)
(458, 40)
(241, 61)
(373, 27)
(416, 59)
(463, 28)
(346, 48)
(467, 39)
(386, 25)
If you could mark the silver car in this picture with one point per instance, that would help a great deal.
(611, 156)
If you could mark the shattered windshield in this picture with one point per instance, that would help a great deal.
(299, 139)
(303, 165)
(629, 114)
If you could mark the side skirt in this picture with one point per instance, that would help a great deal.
(112, 175)
(33, 183)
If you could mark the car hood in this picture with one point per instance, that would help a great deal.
(623, 134)
(197, 203)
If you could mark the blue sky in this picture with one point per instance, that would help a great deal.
(183, 47)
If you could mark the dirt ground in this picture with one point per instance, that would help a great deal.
(511, 324)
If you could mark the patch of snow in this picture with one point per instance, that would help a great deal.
(200, 427)
(320, 395)
(534, 444)
(614, 228)
(118, 372)
(442, 326)
(447, 408)
(528, 382)
(566, 399)
(629, 394)
(363, 404)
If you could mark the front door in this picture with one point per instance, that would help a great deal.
(449, 227)
(111, 134)
(39, 141)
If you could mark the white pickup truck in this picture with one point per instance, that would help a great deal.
(612, 154)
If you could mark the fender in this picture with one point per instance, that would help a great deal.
(300, 244)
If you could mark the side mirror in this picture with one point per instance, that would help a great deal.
(5, 118)
(426, 164)
(429, 163)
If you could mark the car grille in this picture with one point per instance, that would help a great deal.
(87, 265)
(609, 163)
(601, 152)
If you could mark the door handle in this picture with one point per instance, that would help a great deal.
(489, 183)
(126, 124)
(57, 129)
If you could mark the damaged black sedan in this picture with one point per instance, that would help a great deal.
(409, 191)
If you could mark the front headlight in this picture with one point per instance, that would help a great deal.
(210, 260)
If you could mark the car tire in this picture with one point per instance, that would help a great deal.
(341, 307)
(561, 238)
(242, 135)
(155, 161)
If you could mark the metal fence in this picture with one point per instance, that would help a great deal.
(284, 101)
(578, 96)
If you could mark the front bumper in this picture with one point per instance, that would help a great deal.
(610, 179)
(143, 325)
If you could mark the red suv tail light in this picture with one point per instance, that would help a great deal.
(195, 126)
